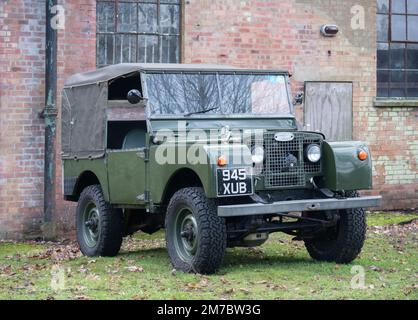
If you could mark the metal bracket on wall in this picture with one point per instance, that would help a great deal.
(48, 112)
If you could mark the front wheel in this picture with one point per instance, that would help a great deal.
(195, 235)
(343, 242)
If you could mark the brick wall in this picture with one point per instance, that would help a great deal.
(22, 67)
(257, 34)
(22, 35)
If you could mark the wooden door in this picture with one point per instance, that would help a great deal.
(328, 109)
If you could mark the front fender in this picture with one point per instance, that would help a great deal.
(204, 166)
(342, 169)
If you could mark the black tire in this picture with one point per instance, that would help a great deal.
(343, 243)
(105, 237)
(202, 251)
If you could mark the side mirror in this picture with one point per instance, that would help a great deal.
(134, 96)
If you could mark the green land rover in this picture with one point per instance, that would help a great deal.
(212, 154)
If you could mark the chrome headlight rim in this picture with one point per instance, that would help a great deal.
(313, 152)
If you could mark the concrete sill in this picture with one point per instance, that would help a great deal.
(395, 103)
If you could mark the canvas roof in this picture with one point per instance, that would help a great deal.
(117, 70)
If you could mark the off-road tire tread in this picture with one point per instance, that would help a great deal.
(110, 239)
(212, 232)
(350, 240)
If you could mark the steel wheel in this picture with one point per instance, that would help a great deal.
(195, 235)
(99, 227)
(186, 234)
(91, 225)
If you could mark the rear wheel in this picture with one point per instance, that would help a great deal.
(343, 242)
(195, 235)
(99, 227)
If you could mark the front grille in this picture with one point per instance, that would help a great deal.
(285, 164)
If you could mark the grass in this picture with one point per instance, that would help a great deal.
(280, 269)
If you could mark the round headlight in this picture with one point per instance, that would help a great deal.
(313, 153)
(257, 154)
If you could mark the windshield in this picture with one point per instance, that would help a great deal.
(217, 93)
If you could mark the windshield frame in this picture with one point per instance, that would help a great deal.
(217, 72)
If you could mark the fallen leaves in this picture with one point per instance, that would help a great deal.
(134, 269)
(229, 291)
(6, 270)
(224, 281)
(245, 291)
(375, 268)
(92, 277)
(59, 252)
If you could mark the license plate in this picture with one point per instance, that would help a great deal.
(234, 182)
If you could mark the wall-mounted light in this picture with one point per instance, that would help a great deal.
(329, 30)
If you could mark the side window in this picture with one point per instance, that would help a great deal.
(138, 31)
(124, 135)
(118, 88)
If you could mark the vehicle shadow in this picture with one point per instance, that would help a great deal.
(233, 258)
(144, 252)
(245, 259)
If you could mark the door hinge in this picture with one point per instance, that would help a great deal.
(144, 196)
(143, 154)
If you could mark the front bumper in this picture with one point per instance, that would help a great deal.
(297, 205)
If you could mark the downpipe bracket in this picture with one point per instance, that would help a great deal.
(48, 112)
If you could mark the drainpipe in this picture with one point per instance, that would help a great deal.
(49, 114)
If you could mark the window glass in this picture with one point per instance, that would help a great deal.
(412, 56)
(148, 48)
(397, 48)
(398, 28)
(398, 6)
(218, 93)
(147, 16)
(413, 28)
(382, 27)
(382, 6)
(138, 31)
(105, 17)
(127, 17)
(383, 55)
(125, 48)
(397, 56)
(412, 6)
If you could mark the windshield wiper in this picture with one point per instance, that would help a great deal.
(201, 111)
